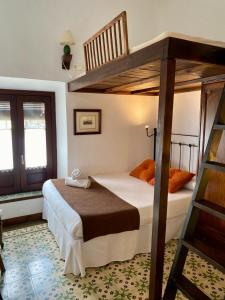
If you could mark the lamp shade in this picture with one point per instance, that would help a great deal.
(67, 38)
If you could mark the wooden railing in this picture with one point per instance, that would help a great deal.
(108, 44)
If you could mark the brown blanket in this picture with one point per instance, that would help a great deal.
(100, 210)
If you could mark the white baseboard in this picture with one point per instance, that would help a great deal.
(21, 208)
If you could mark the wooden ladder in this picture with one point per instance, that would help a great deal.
(210, 245)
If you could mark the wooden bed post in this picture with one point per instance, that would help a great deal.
(165, 114)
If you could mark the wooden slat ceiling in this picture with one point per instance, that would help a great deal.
(145, 79)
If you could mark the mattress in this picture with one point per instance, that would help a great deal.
(132, 190)
(178, 36)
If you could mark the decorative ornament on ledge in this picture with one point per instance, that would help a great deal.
(67, 40)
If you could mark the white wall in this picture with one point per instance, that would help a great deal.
(60, 100)
(202, 18)
(186, 120)
(30, 29)
(123, 142)
(186, 113)
(21, 208)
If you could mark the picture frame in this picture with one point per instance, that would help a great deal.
(87, 121)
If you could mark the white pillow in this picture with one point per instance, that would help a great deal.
(191, 184)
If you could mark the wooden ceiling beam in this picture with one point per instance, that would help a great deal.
(131, 84)
(178, 89)
(147, 90)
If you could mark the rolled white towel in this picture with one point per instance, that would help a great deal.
(81, 183)
(77, 174)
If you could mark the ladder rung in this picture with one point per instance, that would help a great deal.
(209, 250)
(205, 241)
(211, 208)
(214, 166)
(219, 127)
(189, 289)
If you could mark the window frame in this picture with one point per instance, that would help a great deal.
(16, 98)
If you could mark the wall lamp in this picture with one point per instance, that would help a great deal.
(148, 133)
(67, 41)
(154, 134)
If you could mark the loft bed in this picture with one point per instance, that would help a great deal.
(170, 63)
(113, 68)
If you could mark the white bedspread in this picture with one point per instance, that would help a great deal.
(66, 224)
(134, 191)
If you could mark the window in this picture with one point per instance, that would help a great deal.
(35, 135)
(6, 157)
(27, 140)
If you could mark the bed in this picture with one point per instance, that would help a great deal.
(112, 67)
(66, 224)
(167, 64)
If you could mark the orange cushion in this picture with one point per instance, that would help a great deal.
(177, 179)
(172, 171)
(145, 171)
(147, 174)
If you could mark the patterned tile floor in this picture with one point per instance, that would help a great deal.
(35, 271)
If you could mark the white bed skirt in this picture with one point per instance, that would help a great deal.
(100, 251)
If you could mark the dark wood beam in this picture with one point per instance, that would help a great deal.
(195, 51)
(165, 114)
(155, 91)
(147, 94)
(92, 91)
(145, 91)
(188, 89)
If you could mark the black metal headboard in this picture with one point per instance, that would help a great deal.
(181, 146)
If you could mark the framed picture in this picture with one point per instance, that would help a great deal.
(87, 121)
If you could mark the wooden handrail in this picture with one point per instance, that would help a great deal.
(108, 44)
